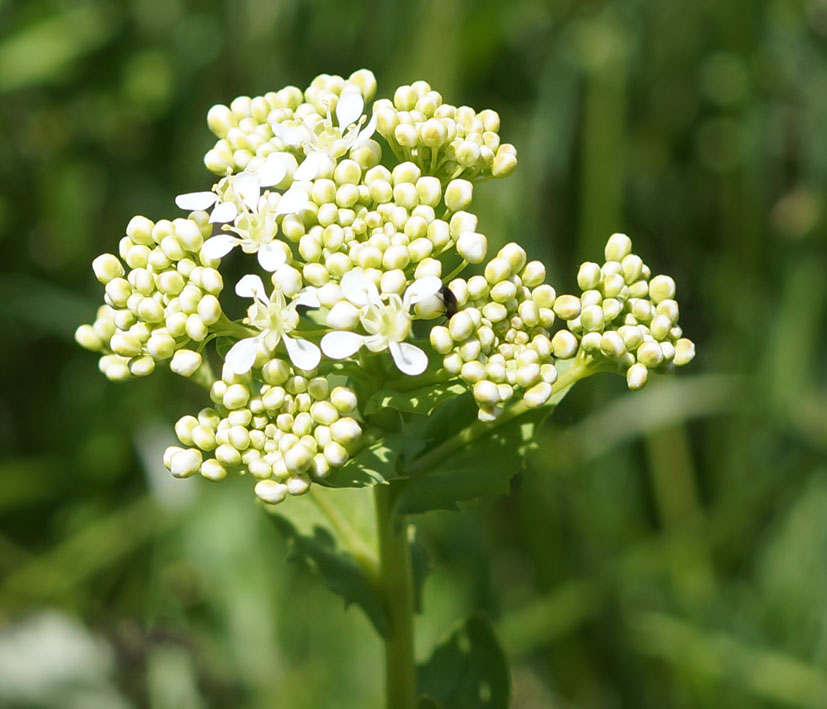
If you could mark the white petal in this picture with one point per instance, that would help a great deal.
(242, 355)
(289, 135)
(368, 130)
(349, 108)
(308, 297)
(310, 167)
(248, 188)
(271, 256)
(408, 358)
(272, 171)
(303, 354)
(218, 246)
(193, 201)
(420, 289)
(292, 201)
(358, 288)
(339, 345)
(250, 286)
(223, 212)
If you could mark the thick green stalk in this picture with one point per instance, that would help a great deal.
(396, 585)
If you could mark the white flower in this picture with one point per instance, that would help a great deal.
(386, 319)
(323, 142)
(274, 318)
(255, 225)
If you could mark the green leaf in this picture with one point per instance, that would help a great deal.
(467, 671)
(337, 542)
(481, 469)
(420, 401)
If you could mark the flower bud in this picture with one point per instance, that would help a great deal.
(636, 376)
(496, 270)
(345, 430)
(343, 399)
(567, 307)
(472, 247)
(538, 395)
(661, 288)
(618, 246)
(270, 491)
(486, 393)
(441, 339)
(649, 354)
(458, 195)
(684, 352)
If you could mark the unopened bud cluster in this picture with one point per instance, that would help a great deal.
(445, 140)
(341, 255)
(498, 340)
(285, 431)
(623, 315)
(159, 297)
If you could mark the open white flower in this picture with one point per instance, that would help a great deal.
(255, 226)
(322, 142)
(386, 319)
(275, 319)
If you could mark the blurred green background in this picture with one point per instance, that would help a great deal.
(664, 549)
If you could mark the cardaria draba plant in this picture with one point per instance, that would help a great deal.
(368, 358)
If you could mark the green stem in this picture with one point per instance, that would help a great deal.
(396, 587)
(578, 370)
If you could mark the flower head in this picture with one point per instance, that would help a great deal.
(387, 320)
(274, 319)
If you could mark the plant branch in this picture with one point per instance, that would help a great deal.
(396, 587)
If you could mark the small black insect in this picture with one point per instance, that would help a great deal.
(450, 301)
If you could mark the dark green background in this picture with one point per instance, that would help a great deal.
(665, 549)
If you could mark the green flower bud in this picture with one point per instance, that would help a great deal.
(533, 276)
(567, 307)
(87, 338)
(345, 430)
(684, 352)
(660, 327)
(618, 246)
(441, 339)
(589, 275)
(236, 396)
(649, 354)
(212, 469)
(107, 267)
(636, 376)
(335, 454)
(661, 288)
(538, 395)
(270, 491)
(458, 194)
(592, 318)
(612, 345)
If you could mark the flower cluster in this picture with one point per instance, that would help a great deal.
(167, 300)
(624, 316)
(285, 430)
(341, 255)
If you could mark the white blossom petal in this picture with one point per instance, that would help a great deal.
(340, 344)
(358, 288)
(303, 354)
(250, 286)
(223, 212)
(349, 108)
(292, 201)
(408, 358)
(218, 246)
(195, 201)
(420, 289)
(272, 171)
(248, 188)
(271, 256)
(368, 130)
(242, 355)
(308, 297)
(311, 166)
(289, 135)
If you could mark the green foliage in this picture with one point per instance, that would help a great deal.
(468, 670)
(421, 402)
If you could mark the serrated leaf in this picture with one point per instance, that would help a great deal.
(317, 545)
(421, 401)
(481, 469)
(466, 671)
